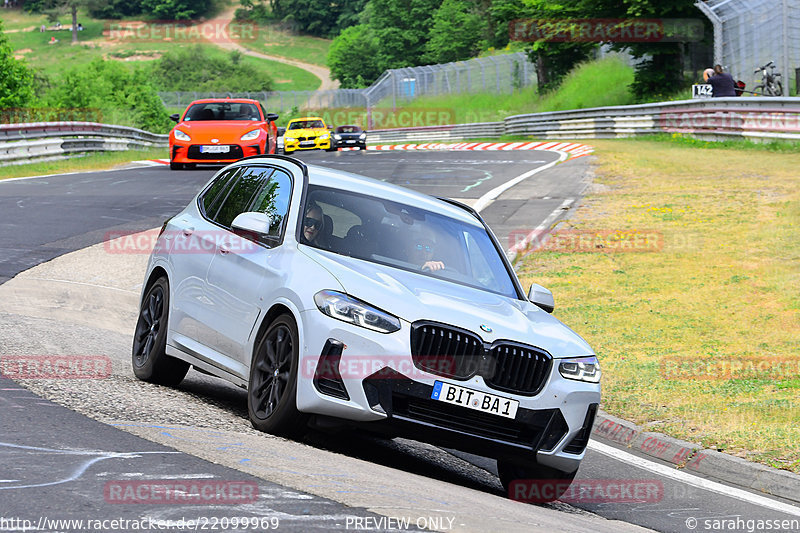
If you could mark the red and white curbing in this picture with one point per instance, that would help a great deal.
(572, 149)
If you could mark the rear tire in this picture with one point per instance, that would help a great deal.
(551, 483)
(149, 359)
(272, 387)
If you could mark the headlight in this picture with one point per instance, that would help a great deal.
(362, 136)
(581, 369)
(180, 136)
(250, 135)
(337, 137)
(324, 137)
(347, 309)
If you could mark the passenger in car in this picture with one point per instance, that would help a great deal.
(313, 226)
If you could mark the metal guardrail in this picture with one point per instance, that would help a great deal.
(713, 119)
(41, 141)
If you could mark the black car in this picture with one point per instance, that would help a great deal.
(349, 136)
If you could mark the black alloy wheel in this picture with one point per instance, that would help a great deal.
(149, 359)
(272, 388)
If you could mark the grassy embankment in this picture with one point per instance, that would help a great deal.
(54, 59)
(722, 291)
(273, 40)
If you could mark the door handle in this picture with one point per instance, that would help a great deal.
(224, 250)
(188, 231)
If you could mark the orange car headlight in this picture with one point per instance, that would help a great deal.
(180, 136)
(250, 135)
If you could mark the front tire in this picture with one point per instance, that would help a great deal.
(175, 166)
(149, 359)
(550, 483)
(272, 387)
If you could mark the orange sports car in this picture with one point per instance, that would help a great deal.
(221, 130)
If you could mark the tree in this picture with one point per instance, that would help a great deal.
(176, 9)
(459, 31)
(114, 9)
(660, 70)
(353, 57)
(553, 60)
(16, 80)
(401, 28)
(55, 8)
(323, 18)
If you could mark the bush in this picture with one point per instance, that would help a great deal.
(16, 80)
(195, 69)
(120, 95)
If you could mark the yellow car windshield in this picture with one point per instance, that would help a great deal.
(306, 124)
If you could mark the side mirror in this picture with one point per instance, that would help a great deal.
(253, 223)
(175, 116)
(542, 297)
(272, 117)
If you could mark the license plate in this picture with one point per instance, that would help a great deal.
(214, 149)
(306, 143)
(350, 142)
(474, 399)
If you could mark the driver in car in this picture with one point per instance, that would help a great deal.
(423, 253)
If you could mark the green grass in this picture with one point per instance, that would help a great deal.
(593, 84)
(780, 146)
(53, 59)
(274, 41)
(721, 289)
(17, 19)
(92, 161)
(608, 78)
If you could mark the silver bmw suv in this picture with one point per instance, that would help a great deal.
(329, 295)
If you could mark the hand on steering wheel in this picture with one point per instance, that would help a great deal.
(433, 265)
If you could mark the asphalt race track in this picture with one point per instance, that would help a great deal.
(58, 464)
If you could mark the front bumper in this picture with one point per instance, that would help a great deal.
(190, 153)
(349, 143)
(292, 144)
(387, 393)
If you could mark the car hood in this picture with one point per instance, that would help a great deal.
(224, 130)
(412, 296)
(306, 132)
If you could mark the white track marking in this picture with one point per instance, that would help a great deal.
(486, 200)
(689, 479)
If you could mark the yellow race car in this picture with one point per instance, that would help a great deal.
(307, 133)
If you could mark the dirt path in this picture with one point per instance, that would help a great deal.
(226, 17)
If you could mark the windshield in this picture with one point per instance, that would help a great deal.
(223, 111)
(303, 124)
(348, 129)
(405, 237)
